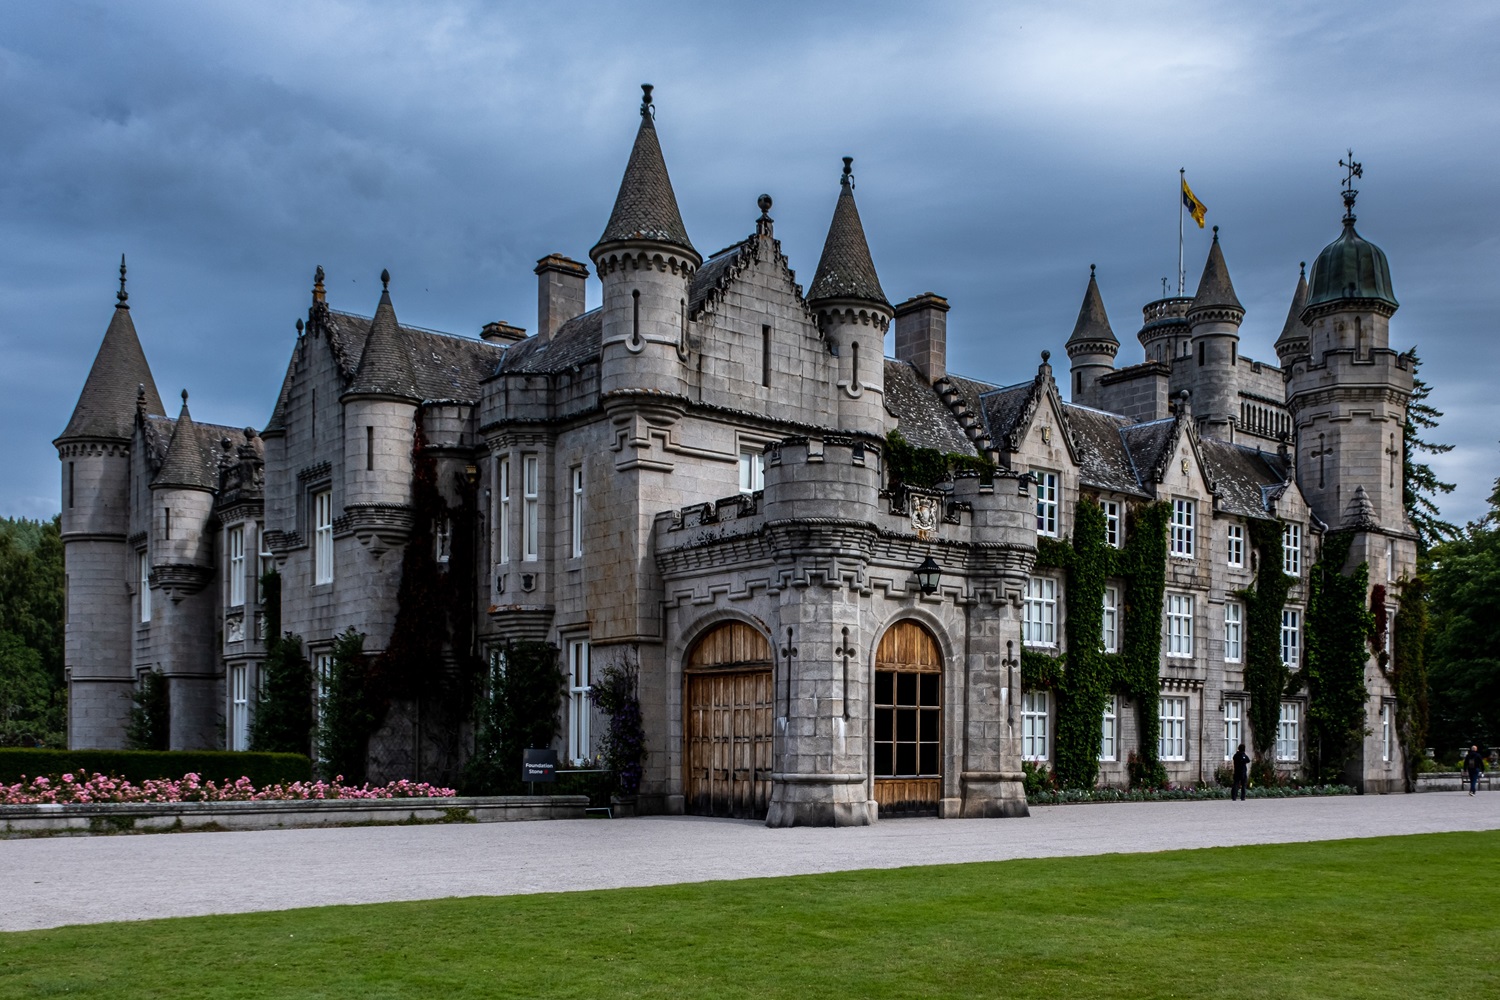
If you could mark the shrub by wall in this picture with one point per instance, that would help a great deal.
(142, 765)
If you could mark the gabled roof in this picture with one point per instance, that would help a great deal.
(1150, 445)
(1008, 411)
(385, 366)
(106, 406)
(188, 463)
(646, 207)
(716, 275)
(1246, 480)
(1104, 462)
(846, 271)
(1215, 290)
(921, 416)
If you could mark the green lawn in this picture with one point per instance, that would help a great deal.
(1393, 917)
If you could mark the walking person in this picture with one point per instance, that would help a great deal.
(1241, 774)
(1473, 764)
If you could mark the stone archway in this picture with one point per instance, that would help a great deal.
(728, 718)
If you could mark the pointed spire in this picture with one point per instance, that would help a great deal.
(184, 465)
(646, 207)
(1215, 290)
(385, 367)
(1092, 332)
(1294, 334)
(846, 271)
(106, 407)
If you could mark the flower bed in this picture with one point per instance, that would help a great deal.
(68, 789)
(1074, 796)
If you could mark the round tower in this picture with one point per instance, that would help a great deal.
(380, 408)
(853, 314)
(645, 262)
(1214, 318)
(95, 450)
(1093, 345)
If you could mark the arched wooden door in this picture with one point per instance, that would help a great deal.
(729, 712)
(908, 708)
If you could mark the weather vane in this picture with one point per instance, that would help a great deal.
(1353, 170)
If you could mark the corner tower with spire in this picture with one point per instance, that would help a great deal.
(853, 313)
(1093, 345)
(1214, 318)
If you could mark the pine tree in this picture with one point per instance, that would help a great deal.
(1421, 485)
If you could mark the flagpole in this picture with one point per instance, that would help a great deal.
(1181, 182)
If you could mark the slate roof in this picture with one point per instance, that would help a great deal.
(1093, 323)
(921, 416)
(106, 406)
(715, 275)
(1295, 332)
(385, 366)
(1215, 290)
(1003, 408)
(1104, 461)
(646, 206)
(846, 271)
(162, 438)
(576, 342)
(1244, 478)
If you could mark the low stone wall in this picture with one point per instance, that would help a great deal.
(122, 817)
(1452, 781)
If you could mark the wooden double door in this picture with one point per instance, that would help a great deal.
(729, 715)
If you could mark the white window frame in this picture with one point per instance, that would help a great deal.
(1111, 620)
(143, 588)
(1184, 514)
(502, 518)
(1385, 732)
(752, 471)
(1172, 712)
(322, 676)
(1113, 536)
(1291, 637)
(580, 709)
(1035, 713)
(1291, 549)
(1288, 725)
(239, 706)
(1234, 536)
(531, 482)
(1046, 504)
(1179, 615)
(234, 545)
(1039, 612)
(1109, 734)
(265, 562)
(1390, 561)
(322, 503)
(575, 476)
(1234, 727)
(1234, 632)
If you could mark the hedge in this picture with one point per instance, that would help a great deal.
(142, 765)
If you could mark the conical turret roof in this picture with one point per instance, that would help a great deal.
(1093, 326)
(1215, 290)
(846, 271)
(184, 465)
(646, 207)
(1294, 334)
(106, 407)
(385, 367)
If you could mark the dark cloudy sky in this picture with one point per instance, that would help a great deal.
(999, 150)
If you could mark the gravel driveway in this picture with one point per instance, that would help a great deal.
(77, 880)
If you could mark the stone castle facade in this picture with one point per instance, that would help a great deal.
(691, 481)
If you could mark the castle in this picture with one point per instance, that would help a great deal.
(695, 480)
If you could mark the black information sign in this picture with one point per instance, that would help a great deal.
(539, 765)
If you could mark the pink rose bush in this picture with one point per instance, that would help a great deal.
(191, 788)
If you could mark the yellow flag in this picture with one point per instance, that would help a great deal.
(1190, 201)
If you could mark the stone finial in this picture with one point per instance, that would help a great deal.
(848, 177)
(764, 223)
(1046, 357)
(646, 106)
(385, 280)
(320, 294)
(122, 294)
(1216, 234)
(299, 328)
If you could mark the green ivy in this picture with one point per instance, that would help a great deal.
(521, 711)
(1409, 674)
(1265, 673)
(150, 714)
(1339, 624)
(283, 705)
(923, 468)
(1084, 678)
(347, 717)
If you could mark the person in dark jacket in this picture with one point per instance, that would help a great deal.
(1241, 774)
(1473, 765)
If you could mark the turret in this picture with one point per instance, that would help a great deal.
(1348, 392)
(95, 451)
(1292, 344)
(380, 408)
(645, 262)
(1093, 345)
(853, 314)
(1214, 318)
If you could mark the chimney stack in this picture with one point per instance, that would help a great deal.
(560, 288)
(501, 332)
(922, 334)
